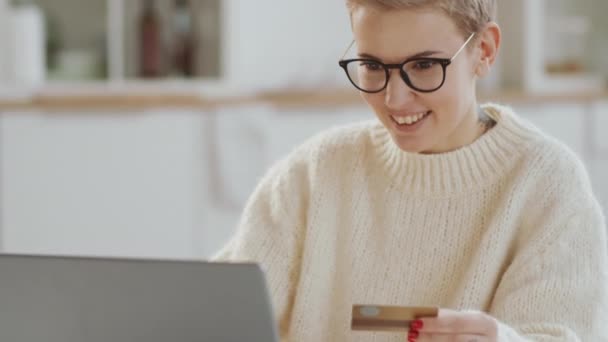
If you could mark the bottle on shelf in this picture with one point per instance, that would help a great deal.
(150, 41)
(183, 47)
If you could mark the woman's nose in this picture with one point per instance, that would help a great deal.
(397, 94)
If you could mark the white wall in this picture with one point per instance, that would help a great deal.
(273, 43)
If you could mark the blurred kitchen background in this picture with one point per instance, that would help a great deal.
(139, 127)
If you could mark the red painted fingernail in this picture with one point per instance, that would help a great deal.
(411, 339)
(416, 325)
(413, 334)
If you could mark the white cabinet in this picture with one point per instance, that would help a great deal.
(561, 121)
(113, 184)
(170, 183)
(147, 184)
(599, 164)
(600, 110)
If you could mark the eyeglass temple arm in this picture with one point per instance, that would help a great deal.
(463, 46)
(348, 48)
(451, 59)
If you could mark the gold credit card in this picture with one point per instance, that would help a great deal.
(388, 318)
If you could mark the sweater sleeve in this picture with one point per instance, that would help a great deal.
(271, 231)
(558, 292)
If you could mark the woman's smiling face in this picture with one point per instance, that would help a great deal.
(420, 122)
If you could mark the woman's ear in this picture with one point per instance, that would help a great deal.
(489, 44)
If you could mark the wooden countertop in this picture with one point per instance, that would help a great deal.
(120, 99)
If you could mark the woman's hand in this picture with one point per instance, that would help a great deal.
(454, 326)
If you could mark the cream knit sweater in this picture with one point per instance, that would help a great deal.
(507, 225)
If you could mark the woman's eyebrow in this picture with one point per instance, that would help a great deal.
(426, 53)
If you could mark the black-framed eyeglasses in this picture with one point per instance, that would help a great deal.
(423, 74)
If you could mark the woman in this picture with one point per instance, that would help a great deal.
(440, 202)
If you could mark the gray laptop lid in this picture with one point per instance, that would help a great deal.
(66, 299)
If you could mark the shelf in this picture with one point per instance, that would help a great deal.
(209, 95)
(553, 45)
(204, 25)
(252, 48)
(92, 40)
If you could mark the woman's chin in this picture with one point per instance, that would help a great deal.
(411, 145)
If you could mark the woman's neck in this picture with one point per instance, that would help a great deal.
(475, 124)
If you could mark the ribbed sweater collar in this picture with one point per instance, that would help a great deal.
(465, 169)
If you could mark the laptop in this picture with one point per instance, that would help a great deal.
(75, 299)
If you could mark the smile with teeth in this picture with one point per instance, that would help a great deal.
(410, 119)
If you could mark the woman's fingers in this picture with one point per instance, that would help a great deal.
(460, 323)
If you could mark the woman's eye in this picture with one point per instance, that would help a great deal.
(423, 65)
(371, 66)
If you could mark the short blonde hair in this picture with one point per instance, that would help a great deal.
(470, 16)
